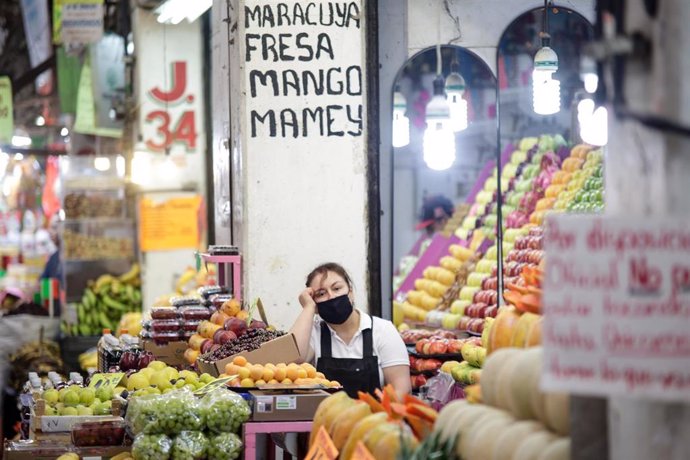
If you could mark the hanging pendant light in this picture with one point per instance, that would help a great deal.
(455, 89)
(439, 138)
(401, 124)
(546, 90)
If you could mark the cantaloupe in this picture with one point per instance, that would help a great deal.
(461, 418)
(502, 328)
(469, 427)
(378, 433)
(524, 383)
(389, 444)
(534, 445)
(532, 377)
(360, 429)
(557, 412)
(534, 335)
(343, 424)
(507, 442)
(446, 418)
(492, 367)
(326, 413)
(509, 373)
(557, 450)
(480, 446)
(522, 329)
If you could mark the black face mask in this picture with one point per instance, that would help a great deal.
(336, 310)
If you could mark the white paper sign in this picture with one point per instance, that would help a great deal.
(617, 307)
(303, 69)
(82, 22)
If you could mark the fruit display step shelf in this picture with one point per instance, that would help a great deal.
(229, 271)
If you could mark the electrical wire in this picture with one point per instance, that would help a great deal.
(439, 63)
(456, 21)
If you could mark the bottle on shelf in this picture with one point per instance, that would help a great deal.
(108, 350)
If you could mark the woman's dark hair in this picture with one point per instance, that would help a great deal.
(329, 267)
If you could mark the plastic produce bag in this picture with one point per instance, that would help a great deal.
(169, 414)
(190, 445)
(151, 447)
(225, 446)
(224, 411)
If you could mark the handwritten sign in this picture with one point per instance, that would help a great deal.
(323, 447)
(170, 224)
(106, 380)
(6, 114)
(617, 307)
(303, 68)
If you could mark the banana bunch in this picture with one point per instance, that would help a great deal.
(40, 356)
(88, 360)
(105, 301)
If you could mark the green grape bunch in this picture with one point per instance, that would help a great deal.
(225, 446)
(151, 447)
(225, 411)
(181, 412)
(190, 445)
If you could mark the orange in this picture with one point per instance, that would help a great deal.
(280, 374)
(232, 369)
(301, 373)
(243, 372)
(319, 375)
(270, 366)
(243, 315)
(273, 382)
(260, 382)
(256, 371)
(240, 360)
(234, 383)
(247, 383)
(292, 374)
(335, 384)
(286, 382)
(281, 365)
(268, 374)
(231, 307)
(293, 366)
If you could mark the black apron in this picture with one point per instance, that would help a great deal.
(353, 374)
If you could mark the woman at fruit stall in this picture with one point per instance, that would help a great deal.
(361, 352)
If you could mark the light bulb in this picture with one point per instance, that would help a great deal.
(101, 163)
(591, 82)
(439, 147)
(401, 124)
(455, 89)
(21, 141)
(546, 90)
(593, 123)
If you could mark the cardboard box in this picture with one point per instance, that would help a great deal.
(171, 354)
(281, 406)
(50, 450)
(281, 350)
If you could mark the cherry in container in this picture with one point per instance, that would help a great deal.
(195, 313)
(166, 325)
(164, 313)
(164, 338)
(100, 433)
(219, 299)
(190, 326)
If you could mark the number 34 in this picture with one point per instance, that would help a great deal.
(184, 130)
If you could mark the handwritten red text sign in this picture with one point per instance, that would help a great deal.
(617, 307)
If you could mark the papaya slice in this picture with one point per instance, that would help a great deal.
(371, 401)
(531, 303)
(427, 413)
(420, 427)
(379, 394)
(408, 399)
(515, 299)
(398, 410)
(519, 289)
(390, 391)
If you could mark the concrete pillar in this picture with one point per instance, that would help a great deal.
(299, 192)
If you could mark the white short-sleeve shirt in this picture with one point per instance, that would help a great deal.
(389, 347)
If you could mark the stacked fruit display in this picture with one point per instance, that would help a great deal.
(434, 354)
(386, 425)
(159, 378)
(516, 419)
(104, 303)
(76, 400)
(247, 375)
(182, 426)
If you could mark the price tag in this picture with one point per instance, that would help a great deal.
(323, 447)
(106, 380)
(211, 386)
(361, 452)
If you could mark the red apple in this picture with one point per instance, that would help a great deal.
(482, 311)
(214, 347)
(464, 323)
(426, 349)
(438, 347)
(419, 347)
(491, 311)
(419, 381)
(236, 325)
(255, 324)
(222, 336)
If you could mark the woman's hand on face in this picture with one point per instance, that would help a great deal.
(306, 298)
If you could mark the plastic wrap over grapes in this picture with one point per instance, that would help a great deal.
(151, 447)
(170, 414)
(225, 411)
(190, 445)
(250, 341)
(225, 446)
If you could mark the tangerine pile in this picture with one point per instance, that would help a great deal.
(252, 375)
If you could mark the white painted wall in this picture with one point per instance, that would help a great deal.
(481, 22)
(304, 199)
